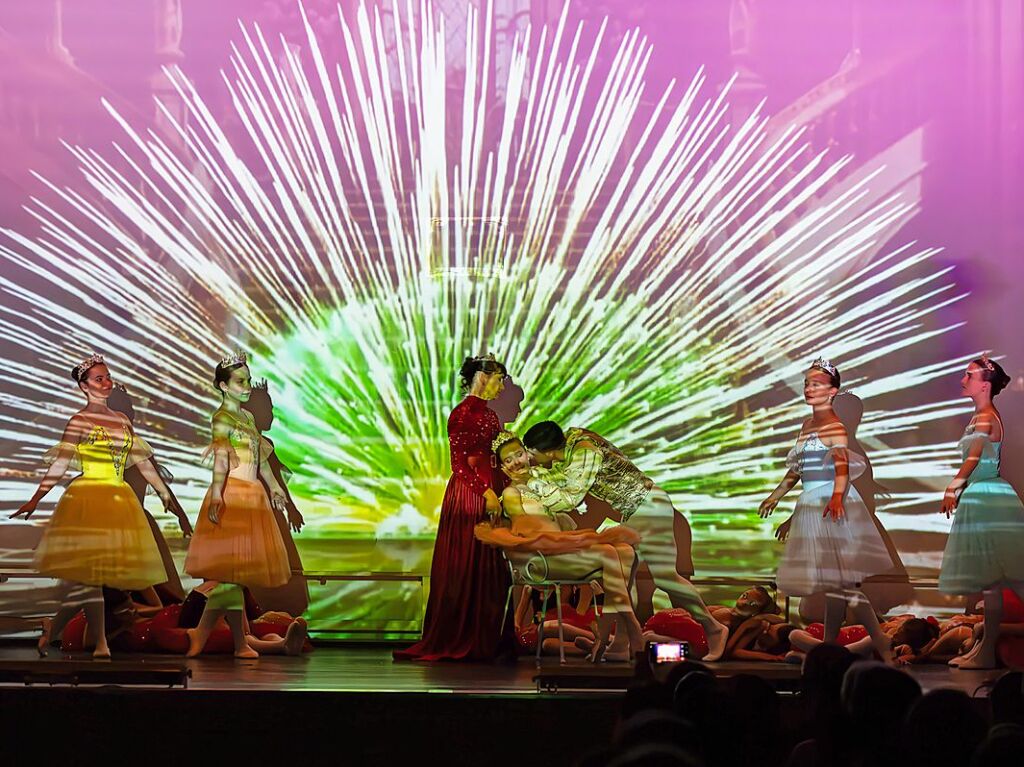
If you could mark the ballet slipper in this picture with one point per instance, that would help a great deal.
(295, 637)
(971, 653)
(716, 644)
(582, 643)
(43, 645)
(247, 654)
(983, 658)
(101, 653)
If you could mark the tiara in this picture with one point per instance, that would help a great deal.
(988, 363)
(88, 362)
(823, 364)
(489, 357)
(503, 438)
(238, 358)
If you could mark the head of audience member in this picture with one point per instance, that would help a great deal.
(984, 377)
(1007, 699)
(943, 727)
(261, 406)
(823, 672)
(759, 713)
(756, 601)
(654, 755)
(483, 376)
(546, 442)
(656, 726)
(916, 633)
(876, 697)
(512, 456)
(1003, 746)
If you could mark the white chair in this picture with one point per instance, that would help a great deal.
(532, 570)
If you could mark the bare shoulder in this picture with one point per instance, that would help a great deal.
(833, 433)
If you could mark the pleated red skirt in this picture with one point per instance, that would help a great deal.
(468, 588)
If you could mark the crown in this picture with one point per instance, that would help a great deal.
(238, 358)
(823, 364)
(503, 438)
(988, 363)
(260, 384)
(88, 362)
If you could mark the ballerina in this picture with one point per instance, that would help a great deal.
(985, 549)
(605, 556)
(832, 544)
(98, 534)
(237, 541)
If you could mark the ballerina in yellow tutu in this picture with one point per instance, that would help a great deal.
(98, 534)
(237, 541)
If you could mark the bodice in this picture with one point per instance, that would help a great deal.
(988, 463)
(102, 458)
(814, 461)
(243, 444)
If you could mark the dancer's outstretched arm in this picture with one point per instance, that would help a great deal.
(73, 433)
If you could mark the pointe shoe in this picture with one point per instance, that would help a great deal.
(247, 654)
(716, 645)
(43, 645)
(194, 649)
(103, 654)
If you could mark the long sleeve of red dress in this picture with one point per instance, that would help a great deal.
(471, 428)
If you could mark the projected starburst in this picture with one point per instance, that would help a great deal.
(643, 266)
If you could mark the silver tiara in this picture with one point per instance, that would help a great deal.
(987, 363)
(823, 364)
(88, 362)
(238, 358)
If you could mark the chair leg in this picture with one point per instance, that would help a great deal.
(561, 634)
(504, 615)
(540, 627)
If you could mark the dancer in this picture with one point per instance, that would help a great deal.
(832, 543)
(98, 534)
(577, 462)
(237, 541)
(468, 580)
(607, 556)
(985, 549)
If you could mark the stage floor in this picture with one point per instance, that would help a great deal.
(354, 669)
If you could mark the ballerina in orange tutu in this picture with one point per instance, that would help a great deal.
(605, 556)
(98, 534)
(237, 541)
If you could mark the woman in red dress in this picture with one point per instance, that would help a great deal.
(468, 580)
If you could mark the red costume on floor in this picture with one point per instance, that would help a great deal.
(468, 580)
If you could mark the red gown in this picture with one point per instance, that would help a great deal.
(468, 580)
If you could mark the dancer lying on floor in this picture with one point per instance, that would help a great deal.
(607, 556)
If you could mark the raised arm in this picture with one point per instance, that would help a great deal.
(75, 430)
(567, 491)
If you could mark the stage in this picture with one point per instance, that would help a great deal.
(352, 699)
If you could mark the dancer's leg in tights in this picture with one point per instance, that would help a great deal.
(983, 654)
(225, 600)
(654, 520)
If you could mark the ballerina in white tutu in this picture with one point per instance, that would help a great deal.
(832, 544)
(985, 549)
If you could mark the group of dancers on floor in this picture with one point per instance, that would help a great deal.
(99, 539)
(519, 495)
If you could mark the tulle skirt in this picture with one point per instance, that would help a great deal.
(98, 535)
(246, 546)
(986, 542)
(822, 553)
(553, 542)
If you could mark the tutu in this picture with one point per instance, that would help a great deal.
(246, 547)
(986, 542)
(98, 534)
(822, 553)
(528, 537)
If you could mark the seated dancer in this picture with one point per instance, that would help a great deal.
(577, 462)
(832, 544)
(985, 549)
(607, 557)
(98, 534)
(237, 541)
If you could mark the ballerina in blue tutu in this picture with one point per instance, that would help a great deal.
(985, 550)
